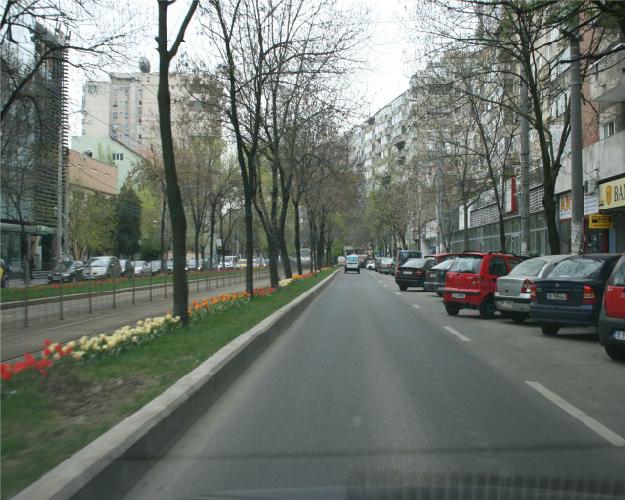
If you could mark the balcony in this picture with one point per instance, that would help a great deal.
(606, 157)
(607, 78)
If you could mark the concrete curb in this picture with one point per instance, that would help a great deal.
(108, 466)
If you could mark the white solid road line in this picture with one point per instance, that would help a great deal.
(455, 332)
(416, 306)
(590, 422)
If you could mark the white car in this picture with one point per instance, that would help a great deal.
(371, 265)
(352, 263)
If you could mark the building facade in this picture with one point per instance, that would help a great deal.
(34, 149)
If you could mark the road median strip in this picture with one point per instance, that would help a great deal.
(201, 361)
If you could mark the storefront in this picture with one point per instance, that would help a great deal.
(612, 205)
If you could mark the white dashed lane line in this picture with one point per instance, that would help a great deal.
(455, 332)
(397, 293)
(416, 306)
(575, 412)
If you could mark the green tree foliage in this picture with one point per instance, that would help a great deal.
(91, 223)
(128, 219)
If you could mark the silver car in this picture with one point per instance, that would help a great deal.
(102, 268)
(512, 297)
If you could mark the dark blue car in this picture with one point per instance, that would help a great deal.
(572, 292)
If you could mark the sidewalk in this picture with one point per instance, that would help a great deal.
(18, 340)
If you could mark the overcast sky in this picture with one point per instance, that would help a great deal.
(387, 52)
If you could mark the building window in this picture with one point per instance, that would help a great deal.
(126, 115)
(118, 156)
(607, 130)
(114, 103)
(114, 115)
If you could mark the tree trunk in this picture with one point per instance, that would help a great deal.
(174, 199)
(550, 217)
(249, 242)
(272, 247)
(212, 236)
(284, 252)
(163, 242)
(298, 244)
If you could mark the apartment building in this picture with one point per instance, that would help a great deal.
(125, 108)
(382, 141)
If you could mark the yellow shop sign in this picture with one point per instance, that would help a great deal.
(612, 194)
(599, 221)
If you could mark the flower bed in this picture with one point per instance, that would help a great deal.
(125, 337)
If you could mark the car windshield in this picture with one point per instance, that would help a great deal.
(469, 265)
(446, 264)
(61, 267)
(530, 267)
(99, 262)
(415, 263)
(352, 259)
(138, 263)
(579, 267)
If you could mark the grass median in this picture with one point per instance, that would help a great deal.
(53, 290)
(46, 420)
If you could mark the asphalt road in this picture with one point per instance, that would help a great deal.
(374, 386)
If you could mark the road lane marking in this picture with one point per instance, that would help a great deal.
(416, 306)
(385, 286)
(575, 412)
(455, 332)
(397, 293)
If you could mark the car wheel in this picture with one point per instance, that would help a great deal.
(519, 318)
(345, 271)
(617, 353)
(487, 308)
(403, 288)
(452, 309)
(549, 329)
(358, 271)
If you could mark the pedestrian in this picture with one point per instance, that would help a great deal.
(4, 274)
(31, 266)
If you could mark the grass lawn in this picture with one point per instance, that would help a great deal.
(42, 291)
(46, 420)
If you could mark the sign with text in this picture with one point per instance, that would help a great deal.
(591, 205)
(599, 221)
(612, 194)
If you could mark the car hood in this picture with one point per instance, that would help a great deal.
(489, 487)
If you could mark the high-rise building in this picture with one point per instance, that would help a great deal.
(34, 147)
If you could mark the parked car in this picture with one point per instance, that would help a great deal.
(435, 276)
(67, 271)
(471, 281)
(612, 315)
(142, 268)
(370, 264)
(352, 264)
(126, 267)
(230, 262)
(340, 260)
(102, 268)
(386, 265)
(155, 266)
(191, 265)
(169, 266)
(572, 293)
(512, 297)
(404, 256)
(412, 272)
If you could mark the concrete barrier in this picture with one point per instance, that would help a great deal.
(107, 467)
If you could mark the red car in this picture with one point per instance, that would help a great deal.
(471, 281)
(612, 316)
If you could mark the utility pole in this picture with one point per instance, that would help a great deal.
(577, 173)
(440, 245)
(524, 198)
(59, 199)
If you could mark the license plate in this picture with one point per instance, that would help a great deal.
(409, 273)
(457, 295)
(619, 335)
(557, 296)
(506, 303)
